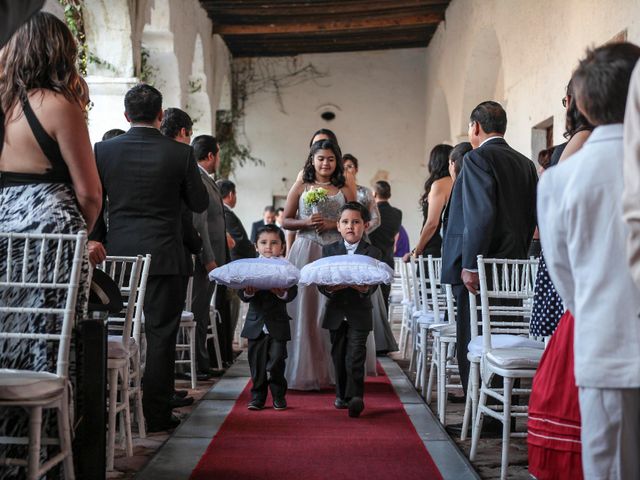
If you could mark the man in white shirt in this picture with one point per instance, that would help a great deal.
(583, 237)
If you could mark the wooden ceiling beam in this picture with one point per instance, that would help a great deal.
(324, 25)
(292, 50)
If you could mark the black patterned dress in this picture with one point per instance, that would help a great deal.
(547, 304)
(31, 203)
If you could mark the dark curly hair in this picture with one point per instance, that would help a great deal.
(438, 168)
(575, 121)
(309, 171)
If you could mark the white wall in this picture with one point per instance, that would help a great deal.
(380, 99)
(519, 52)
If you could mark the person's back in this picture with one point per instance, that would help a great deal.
(588, 210)
(144, 175)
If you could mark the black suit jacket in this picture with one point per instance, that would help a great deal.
(492, 210)
(356, 307)
(384, 237)
(254, 229)
(243, 248)
(267, 308)
(147, 177)
(190, 237)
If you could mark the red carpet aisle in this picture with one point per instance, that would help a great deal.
(311, 440)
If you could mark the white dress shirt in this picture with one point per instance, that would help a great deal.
(584, 237)
(351, 248)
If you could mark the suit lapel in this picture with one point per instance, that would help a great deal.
(363, 247)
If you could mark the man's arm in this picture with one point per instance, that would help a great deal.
(631, 194)
(207, 256)
(479, 208)
(193, 190)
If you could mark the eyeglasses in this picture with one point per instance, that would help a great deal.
(565, 101)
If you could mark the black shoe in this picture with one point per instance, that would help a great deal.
(213, 372)
(280, 404)
(170, 424)
(340, 404)
(177, 402)
(456, 430)
(356, 406)
(200, 377)
(181, 393)
(255, 405)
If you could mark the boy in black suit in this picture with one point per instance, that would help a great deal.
(348, 314)
(267, 328)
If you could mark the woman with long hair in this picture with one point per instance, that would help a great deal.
(309, 364)
(48, 183)
(437, 190)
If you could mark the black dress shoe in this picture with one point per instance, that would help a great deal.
(201, 377)
(356, 406)
(255, 405)
(451, 398)
(340, 404)
(213, 372)
(280, 404)
(170, 424)
(177, 402)
(181, 393)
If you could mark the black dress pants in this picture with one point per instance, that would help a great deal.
(225, 329)
(463, 332)
(163, 305)
(202, 292)
(267, 362)
(349, 352)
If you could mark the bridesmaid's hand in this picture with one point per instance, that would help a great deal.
(361, 288)
(325, 225)
(314, 220)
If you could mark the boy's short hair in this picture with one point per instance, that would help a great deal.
(358, 207)
(270, 228)
(382, 189)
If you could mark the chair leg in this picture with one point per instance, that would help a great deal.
(192, 356)
(35, 433)
(474, 375)
(467, 408)
(142, 430)
(64, 430)
(111, 427)
(442, 381)
(126, 412)
(216, 340)
(423, 372)
(477, 428)
(432, 376)
(506, 428)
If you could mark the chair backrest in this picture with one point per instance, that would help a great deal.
(451, 303)
(189, 298)
(506, 280)
(405, 282)
(26, 266)
(414, 281)
(138, 316)
(126, 272)
(438, 298)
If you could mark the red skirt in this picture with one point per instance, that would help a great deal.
(554, 412)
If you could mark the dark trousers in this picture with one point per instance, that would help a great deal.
(163, 305)
(202, 292)
(463, 332)
(349, 352)
(386, 291)
(225, 328)
(267, 362)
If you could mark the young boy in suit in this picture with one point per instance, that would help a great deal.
(267, 328)
(348, 314)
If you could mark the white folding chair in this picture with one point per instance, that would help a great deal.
(25, 269)
(186, 341)
(507, 351)
(126, 271)
(407, 308)
(214, 320)
(396, 293)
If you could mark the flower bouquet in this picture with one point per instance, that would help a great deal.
(315, 197)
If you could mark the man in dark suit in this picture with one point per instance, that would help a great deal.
(349, 311)
(384, 236)
(268, 217)
(146, 177)
(215, 253)
(243, 247)
(492, 212)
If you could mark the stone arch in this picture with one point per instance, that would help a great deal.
(438, 124)
(484, 74)
(225, 94)
(159, 65)
(198, 102)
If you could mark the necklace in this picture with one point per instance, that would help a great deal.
(323, 184)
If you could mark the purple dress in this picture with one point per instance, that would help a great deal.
(402, 245)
